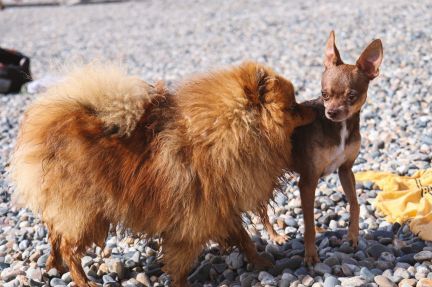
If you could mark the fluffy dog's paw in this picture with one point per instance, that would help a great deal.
(262, 262)
(53, 263)
(279, 238)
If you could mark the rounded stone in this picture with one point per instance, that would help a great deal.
(384, 281)
(322, 268)
(286, 280)
(424, 255)
(331, 281)
(57, 282)
(143, 279)
(235, 260)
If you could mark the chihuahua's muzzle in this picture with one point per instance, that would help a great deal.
(336, 114)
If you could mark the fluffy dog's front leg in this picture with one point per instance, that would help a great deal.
(179, 257)
(242, 240)
(274, 236)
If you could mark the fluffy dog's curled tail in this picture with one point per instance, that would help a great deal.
(119, 100)
(103, 90)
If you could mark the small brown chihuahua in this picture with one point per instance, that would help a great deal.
(332, 141)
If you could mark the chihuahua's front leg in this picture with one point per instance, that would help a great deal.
(274, 236)
(347, 180)
(307, 185)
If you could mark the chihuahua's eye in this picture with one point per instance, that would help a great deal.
(352, 96)
(324, 95)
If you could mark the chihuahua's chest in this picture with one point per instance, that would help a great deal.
(329, 157)
(335, 156)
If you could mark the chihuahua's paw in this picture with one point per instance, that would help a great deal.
(279, 238)
(311, 257)
(353, 238)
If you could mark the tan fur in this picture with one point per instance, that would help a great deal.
(190, 166)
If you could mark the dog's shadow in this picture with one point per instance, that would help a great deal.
(377, 251)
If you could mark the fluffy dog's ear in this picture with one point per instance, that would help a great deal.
(262, 78)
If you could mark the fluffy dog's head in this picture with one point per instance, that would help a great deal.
(244, 101)
(274, 96)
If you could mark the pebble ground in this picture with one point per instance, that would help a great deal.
(171, 39)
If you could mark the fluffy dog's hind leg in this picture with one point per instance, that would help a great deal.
(179, 258)
(72, 256)
(73, 250)
(55, 259)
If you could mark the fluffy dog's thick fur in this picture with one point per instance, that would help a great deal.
(103, 147)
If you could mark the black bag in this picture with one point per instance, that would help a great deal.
(14, 71)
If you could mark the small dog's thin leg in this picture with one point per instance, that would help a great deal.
(307, 185)
(274, 236)
(347, 180)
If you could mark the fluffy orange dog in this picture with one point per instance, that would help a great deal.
(104, 148)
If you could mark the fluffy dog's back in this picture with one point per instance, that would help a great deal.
(117, 101)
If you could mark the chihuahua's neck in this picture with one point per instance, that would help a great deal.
(349, 126)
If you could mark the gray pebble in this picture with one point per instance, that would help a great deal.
(86, 261)
(423, 256)
(376, 250)
(53, 273)
(24, 244)
(355, 281)
(322, 268)
(57, 282)
(229, 274)
(331, 261)
(35, 274)
(331, 281)
(366, 274)
(266, 278)
(42, 260)
(235, 260)
(286, 280)
(66, 277)
(246, 279)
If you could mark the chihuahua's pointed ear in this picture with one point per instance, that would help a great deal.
(332, 57)
(371, 58)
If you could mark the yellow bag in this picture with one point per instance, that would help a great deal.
(404, 198)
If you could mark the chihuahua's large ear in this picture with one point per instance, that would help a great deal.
(371, 58)
(332, 57)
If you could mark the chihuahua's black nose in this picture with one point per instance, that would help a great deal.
(333, 113)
